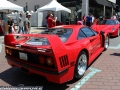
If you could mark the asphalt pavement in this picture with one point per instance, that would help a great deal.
(103, 74)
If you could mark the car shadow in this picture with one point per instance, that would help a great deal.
(115, 54)
(1, 34)
(15, 77)
(113, 37)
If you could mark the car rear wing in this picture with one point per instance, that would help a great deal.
(54, 40)
(57, 46)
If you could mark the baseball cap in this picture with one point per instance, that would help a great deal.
(29, 14)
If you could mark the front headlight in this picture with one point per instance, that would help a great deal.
(113, 29)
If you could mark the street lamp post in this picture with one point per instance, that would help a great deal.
(26, 7)
(76, 10)
(78, 3)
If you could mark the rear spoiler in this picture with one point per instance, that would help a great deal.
(54, 40)
(57, 46)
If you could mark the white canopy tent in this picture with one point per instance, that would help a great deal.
(6, 5)
(54, 6)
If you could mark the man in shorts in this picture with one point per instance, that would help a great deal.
(27, 24)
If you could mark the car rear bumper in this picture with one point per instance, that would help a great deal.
(52, 76)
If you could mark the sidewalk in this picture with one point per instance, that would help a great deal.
(33, 30)
(37, 29)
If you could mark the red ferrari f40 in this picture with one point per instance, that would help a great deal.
(59, 54)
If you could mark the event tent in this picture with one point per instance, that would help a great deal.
(6, 5)
(54, 6)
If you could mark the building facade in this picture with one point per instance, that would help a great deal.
(118, 6)
(104, 8)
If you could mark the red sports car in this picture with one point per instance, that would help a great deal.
(59, 54)
(110, 26)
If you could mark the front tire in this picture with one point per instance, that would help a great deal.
(81, 65)
(118, 33)
(106, 45)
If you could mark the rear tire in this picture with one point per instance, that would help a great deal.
(81, 65)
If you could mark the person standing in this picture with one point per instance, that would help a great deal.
(21, 23)
(83, 19)
(27, 24)
(46, 20)
(79, 22)
(95, 21)
(89, 20)
(5, 24)
(114, 17)
(93, 18)
(10, 25)
(119, 18)
(51, 21)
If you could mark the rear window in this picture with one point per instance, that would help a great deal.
(63, 33)
(37, 41)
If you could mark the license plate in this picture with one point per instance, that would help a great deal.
(23, 56)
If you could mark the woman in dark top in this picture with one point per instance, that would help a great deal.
(10, 24)
(46, 19)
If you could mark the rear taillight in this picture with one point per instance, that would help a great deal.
(49, 61)
(46, 61)
(42, 60)
(8, 51)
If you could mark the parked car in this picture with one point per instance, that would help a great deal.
(59, 54)
(110, 26)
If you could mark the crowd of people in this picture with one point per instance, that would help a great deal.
(88, 20)
(24, 24)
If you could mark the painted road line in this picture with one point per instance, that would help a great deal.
(0, 48)
(86, 78)
(118, 46)
(2, 37)
(114, 47)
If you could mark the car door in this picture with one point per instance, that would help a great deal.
(93, 37)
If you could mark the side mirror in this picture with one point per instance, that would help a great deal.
(97, 32)
(102, 32)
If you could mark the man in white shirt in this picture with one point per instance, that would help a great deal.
(21, 23)
(92, 18)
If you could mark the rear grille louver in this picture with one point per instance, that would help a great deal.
(64, 61)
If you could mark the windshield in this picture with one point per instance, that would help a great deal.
(63, 33)
(108, 22)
